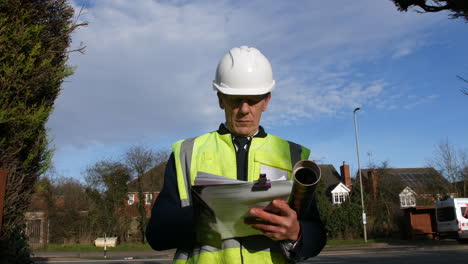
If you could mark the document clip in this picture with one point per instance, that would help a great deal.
(262, 184)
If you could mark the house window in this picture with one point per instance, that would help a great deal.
(131, 199)
(339, 197)
(407, 200)
(148, 198)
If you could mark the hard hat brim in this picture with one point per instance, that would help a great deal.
(243, 90)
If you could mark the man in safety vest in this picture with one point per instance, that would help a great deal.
(239, 149)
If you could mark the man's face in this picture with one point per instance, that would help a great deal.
(243, 112)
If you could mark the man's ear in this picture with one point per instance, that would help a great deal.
(267, 99)
(220, 100)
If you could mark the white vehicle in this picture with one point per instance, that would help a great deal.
(452, 218)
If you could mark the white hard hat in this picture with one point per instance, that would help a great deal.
(244, 71)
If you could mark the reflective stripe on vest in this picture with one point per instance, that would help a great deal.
(183, 150)
(254, 249)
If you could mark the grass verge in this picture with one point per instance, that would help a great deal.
(351, 242)
(92, 248)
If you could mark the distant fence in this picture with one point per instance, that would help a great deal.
(33, 230)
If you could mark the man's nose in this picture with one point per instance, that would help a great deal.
(244, 107)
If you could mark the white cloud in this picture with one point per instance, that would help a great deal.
(148, 67)
(415, 100)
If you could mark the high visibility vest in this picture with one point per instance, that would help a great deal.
(214, 153)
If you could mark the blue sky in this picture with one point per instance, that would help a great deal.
(146, 78)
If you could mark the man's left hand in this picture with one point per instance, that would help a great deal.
(278, 221)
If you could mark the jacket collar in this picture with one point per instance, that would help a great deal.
(223, 130)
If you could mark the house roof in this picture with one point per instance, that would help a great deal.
(421, 180)
(407, 191)
(330, 177)
(340, 187)
(152, 180)
(329, 174)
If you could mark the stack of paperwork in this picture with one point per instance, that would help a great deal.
(222, 204)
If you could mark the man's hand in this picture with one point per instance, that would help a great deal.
(278, 221)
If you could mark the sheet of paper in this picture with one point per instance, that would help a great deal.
(274, 174)
(229, 205)
(204, 178)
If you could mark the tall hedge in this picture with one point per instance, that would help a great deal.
(34, 37)
(341, 221)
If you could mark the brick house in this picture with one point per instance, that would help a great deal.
(416, 189)
(419, 186)
(151, 184)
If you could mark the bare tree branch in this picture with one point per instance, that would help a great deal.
(140, 160)
(463, 90)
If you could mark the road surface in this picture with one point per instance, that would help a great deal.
(399, 256)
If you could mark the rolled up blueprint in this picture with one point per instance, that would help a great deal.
(306, 175)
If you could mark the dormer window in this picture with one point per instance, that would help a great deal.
(407, 198)
(339, 197)
(407, 201)
(340, 194)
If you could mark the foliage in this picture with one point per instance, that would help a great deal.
(68, 227)
(18, 250)
(67, 210)
(345, 221)
(453, 165)
(457, 8)
(107, 189)
(341, 221)
(140, 159)
(324, 204)
(34, 37)
(79, 213)
(145, 166)
(383, 207)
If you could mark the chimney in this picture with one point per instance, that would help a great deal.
(345, 175)
(372, 175)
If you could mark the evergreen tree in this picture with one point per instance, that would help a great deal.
(34, 37)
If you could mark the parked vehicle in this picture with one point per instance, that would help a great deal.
(452, 218)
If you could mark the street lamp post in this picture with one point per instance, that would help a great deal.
(360, 177)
